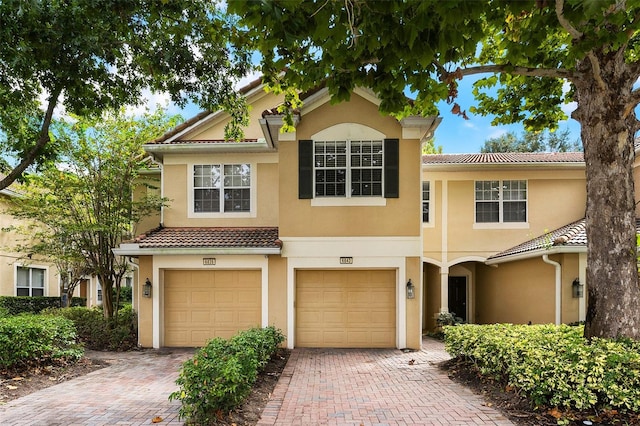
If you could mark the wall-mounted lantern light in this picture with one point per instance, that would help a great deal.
(578, 288)
(146, 289)
(411, 290)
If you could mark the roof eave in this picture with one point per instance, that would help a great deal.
(196, 148)
(135, 250)
(536, 253)
(482, 166)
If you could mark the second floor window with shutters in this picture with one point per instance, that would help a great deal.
(501, 201)
(348, 168)
(222, 188)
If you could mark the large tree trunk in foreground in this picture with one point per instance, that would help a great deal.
(608, 128)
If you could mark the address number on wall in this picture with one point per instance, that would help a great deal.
(346, 260)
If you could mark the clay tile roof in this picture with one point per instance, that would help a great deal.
(210, 238)
(504, 158)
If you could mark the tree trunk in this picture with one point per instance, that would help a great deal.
(608, 137)
(107, 296)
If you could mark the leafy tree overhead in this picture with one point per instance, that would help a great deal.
(430, 147)
(84, 207)
(529, 50)
(532, 142)
(90, 55)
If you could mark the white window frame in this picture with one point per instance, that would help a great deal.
(501, 224)
(354, 132)
(348, 168)
(222, 215)
(430, 223)
(31, 268)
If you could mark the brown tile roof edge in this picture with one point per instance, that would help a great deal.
(571, 235)
(210, 237)
(504, 158)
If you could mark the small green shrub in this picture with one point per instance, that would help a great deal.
(98, 333)
(16, 305)
(220, 375)
(36, 339)
(553, 365)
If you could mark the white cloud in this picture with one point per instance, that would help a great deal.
(496, 133)
(150, 102)
(247, 79)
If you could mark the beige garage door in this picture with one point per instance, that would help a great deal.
(346, 309)
(200, 305)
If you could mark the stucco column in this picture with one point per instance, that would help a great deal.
(444, 290)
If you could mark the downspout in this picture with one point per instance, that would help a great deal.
(134, 299)
(558, 267)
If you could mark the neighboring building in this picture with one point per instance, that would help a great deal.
(20, 274)
(317, 232)
(504, 237)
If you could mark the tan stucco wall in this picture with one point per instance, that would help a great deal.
(145, 304)
(431, 296)
(10, 259)
(278, 294)
(176, 187)
(554, 199)
(414, 329)
(258, 102)
(147, 185)
(400, 216)
(519, 292)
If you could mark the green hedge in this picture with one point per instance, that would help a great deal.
(98, 333)
(552, 365)
(33, 339)
(15, 305)
(220, 375)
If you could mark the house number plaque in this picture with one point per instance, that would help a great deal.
(209, 261)
(346, 260)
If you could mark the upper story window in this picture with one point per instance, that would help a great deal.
(30, 281)
(348, 164)
(348, 168)
(222, 188)
(501, 201)
(426, 198)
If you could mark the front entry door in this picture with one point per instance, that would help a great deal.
(458, 297)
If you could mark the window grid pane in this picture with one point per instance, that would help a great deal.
(425, 201)
(366, 168)
(487, 211)
(30, 281)
(330, 168)
(232, 180)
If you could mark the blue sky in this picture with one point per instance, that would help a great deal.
(455, 134)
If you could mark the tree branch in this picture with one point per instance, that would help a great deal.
(597, 74)
(517, 70)
(634, 100)
(43, 139)
(575, 34)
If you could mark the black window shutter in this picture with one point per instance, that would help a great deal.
(391, 168)
(305, 169)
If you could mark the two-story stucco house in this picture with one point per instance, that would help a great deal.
(316, 231)
(504, 237)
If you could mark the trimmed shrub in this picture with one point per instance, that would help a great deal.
(98, 333)
(36, 339)
(16, 305)
(553, 365)
(220, 375)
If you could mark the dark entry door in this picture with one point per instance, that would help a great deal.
(458, 296)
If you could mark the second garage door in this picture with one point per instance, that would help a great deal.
(346, 309)
(200, 305)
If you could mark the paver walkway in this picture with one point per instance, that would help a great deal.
(318, 387)
(131, 391)
(373, 388)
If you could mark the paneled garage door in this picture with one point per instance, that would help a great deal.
(345, 309)
(200, 305)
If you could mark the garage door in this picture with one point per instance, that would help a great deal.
(345, 309)
(200, 305)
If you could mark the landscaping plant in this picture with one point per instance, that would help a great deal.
(35, 339)
(554, 366)
(220, 375)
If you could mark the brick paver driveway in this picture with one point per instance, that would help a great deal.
(373, 387)
(131, 391)
(318, 387)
